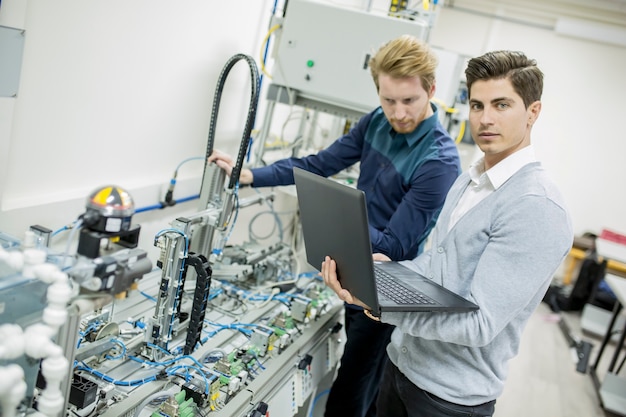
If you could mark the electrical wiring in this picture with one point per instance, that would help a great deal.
(212, 333)
(236, 311)
(122, 353)
(297, 297)
(275, 284)
(258, 361)
(77, 225)
(254, 237)
(184, 161)
(264, 48)
(170, 191)
(269, 298)
(452, 110)
(443, 105)
(211, 355)
(254, 297)
(197, 366)
(293, 115)
(66, 227)
(459, 137)
(240, 327)
(297, 244)
(169, 200)
(82, 334)
(207, 384)
(104, 377)
(264, 53)
(163, 231)
(86, 413)
(290, 93)
(316, 399)
(278, 222)
(160, 206)
(148, 296)
(165, 351)
(160, 394)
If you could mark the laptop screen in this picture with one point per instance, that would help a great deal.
(334, 223)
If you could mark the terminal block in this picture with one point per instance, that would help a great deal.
(300, 309)
(261, 339)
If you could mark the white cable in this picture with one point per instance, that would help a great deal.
(269, 298)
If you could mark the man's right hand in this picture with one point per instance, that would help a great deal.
(226, 162)
(329, 274)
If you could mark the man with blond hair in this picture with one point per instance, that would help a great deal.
(407, 164)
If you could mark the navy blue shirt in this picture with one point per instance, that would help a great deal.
(405, 177)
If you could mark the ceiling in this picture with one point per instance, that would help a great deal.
(546, 12)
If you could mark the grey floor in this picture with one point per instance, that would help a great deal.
(543, 380)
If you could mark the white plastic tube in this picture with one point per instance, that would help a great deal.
(12, 389)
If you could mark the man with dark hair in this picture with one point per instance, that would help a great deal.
(502, 233)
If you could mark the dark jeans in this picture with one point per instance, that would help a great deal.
(399, 397)
(354, 391)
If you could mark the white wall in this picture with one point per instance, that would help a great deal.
(578, 134)
(121, 92)
(118, 92)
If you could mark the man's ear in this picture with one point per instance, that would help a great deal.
(431, 93)
(533, 112)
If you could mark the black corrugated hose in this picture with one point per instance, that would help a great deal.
(254, 99)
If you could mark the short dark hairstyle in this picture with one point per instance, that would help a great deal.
(525, 76)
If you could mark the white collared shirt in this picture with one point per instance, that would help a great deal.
(482, 183)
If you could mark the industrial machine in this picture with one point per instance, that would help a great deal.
(208, 328)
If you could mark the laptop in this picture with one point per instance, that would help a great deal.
(334, 223)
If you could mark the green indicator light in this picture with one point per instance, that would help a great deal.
(310, 63)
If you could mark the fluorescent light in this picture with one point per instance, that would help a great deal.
(606, 33)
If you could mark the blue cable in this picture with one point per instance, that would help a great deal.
(111, 380)
(193, 158)
(191, 197)
(317, 397)
(159, 206)
(148, 296)
(188, 375)
(158, 348)
(56, 232)
(123, 351)
(149, 208)
(162, 205)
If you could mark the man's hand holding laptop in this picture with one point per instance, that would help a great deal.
(329, 273)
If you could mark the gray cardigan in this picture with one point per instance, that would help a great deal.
(502, 255)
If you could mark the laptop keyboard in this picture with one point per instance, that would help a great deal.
(394, 290)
